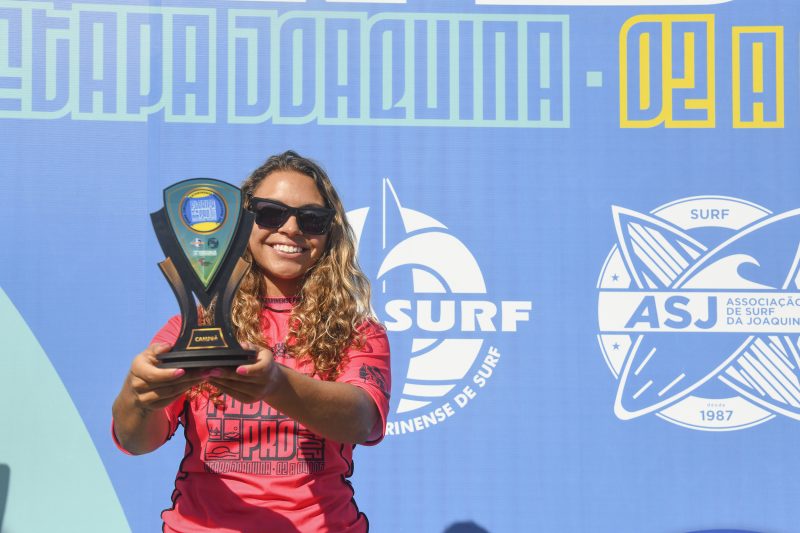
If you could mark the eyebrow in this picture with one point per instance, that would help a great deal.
(287, 205)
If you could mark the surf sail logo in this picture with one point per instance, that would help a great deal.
(699, 313)
(430, 293)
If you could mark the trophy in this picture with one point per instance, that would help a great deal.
(203, 231)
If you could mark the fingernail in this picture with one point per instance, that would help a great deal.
(242, 371)
(178, 372)
(215, 373)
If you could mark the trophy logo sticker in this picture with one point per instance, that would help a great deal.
(203, 230)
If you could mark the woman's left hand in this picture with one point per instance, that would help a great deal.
(247, 383)
(337, 411)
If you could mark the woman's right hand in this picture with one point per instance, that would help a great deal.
(151, 387)
(140, 421)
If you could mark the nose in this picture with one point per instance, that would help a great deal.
(290, 227)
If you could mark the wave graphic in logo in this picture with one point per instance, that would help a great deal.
(430, 293)
(698, 301)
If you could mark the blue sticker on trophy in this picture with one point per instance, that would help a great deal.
(203, 210)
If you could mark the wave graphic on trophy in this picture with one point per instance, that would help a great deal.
(203, 231)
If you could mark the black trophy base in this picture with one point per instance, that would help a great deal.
(205, 358)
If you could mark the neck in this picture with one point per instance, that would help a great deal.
(282, 288)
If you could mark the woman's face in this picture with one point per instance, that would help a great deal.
(285, 254)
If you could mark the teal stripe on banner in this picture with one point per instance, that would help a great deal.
(57, 480)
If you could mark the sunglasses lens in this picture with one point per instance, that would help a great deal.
(270, 215)
(314, 222)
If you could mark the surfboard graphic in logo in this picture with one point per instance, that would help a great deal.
(766, 372)
(431, 295)
(669, 272)
(656, 252)
(439, 264)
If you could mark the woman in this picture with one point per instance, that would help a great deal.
(269, 444)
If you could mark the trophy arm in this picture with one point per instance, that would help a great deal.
(182, 294)
(221, 311)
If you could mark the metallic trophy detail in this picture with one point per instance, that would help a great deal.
(203, 231)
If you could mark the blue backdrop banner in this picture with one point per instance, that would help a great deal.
(580, 219)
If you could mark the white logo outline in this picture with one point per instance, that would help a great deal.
(442, 376)
(757, 405)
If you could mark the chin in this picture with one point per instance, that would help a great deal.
(286, 276)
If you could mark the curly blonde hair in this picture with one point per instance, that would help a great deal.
(335, 296)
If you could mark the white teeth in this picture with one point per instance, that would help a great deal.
(288, 249)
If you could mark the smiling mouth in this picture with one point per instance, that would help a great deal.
(288, 249)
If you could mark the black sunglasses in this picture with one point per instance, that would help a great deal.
(273, 214)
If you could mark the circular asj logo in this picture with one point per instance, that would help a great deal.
(430, 293)
(699, 313)
(203, 210)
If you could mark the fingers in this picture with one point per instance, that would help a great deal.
(247, 383)
(163, 396)
(258, 369)
(255, 372)
(239, 390)
(145, 365)
(154, 387)
(159, 347)
(141, 385)
(152, 352)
